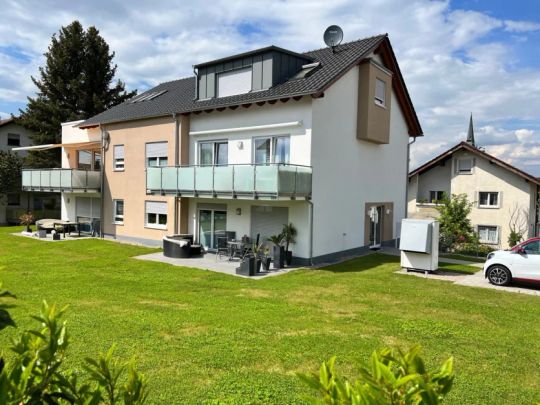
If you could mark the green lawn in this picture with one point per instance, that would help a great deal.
(200, 335)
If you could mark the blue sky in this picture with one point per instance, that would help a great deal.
(457, 57)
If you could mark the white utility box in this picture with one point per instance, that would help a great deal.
(419, 244)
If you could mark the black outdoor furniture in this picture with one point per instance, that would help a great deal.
(180, 246)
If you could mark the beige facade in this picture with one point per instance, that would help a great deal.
(129, 184)
(509, 194)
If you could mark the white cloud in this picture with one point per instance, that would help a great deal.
(451, 63)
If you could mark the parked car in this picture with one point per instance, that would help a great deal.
(521, 263)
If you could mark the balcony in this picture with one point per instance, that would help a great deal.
(274, 181)
(61, 180)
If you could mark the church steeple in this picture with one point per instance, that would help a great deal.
(470, 134)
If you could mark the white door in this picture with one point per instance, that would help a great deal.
(526, 265)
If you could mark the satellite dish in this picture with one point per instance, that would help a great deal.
(333, 36)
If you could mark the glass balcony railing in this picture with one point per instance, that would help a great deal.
(257, 181)
(61, 180)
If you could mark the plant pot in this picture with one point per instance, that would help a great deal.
(279, 257)
(266, 263)
(56, 236)
(288, 257)
(247, 267)
(258, 263)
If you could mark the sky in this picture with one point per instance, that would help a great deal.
(457, 57)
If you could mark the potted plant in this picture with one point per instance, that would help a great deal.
(266, 259)
(289, 236)
(27, 220)
(278, 251)
(257, 250)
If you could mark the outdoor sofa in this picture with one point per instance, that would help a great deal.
(180, 246)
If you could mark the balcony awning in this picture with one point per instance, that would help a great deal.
(74, 145)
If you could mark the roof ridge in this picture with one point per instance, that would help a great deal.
(348, 43)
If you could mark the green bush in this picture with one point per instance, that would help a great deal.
(36, 376)
(473, 249)
(393, 377)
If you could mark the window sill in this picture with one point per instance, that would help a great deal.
(157, 227)
(119, 170)
(118, 223)
(466, 173)
(380, 105)
(488, 207)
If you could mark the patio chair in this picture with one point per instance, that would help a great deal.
(222, 247)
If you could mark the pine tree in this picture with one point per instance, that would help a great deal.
(75, 83)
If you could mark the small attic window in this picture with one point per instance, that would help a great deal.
(307, 70)
(147, 96)
(234, 82)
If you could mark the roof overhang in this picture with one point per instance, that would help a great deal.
(73, 145)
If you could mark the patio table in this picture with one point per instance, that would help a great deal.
(67, 225)
(238, 248)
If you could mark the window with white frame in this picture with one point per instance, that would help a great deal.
(213, 153)
(237, 81)
(488, 234)
(380, 92)
(118, 157)
(464, 166)
(156, 154)
(488, 199)
(268, 150)
(156, 214)
(436, 196)
(13, 139)
(118, 217)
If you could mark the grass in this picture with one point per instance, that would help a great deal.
(199, 335)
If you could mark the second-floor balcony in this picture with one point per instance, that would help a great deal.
(272, 181)
(61, 180)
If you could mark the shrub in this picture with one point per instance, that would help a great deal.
(455, 226)
(35, 375)
(393, 377)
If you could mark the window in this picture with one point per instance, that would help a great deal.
(156, 154)
(464, 166)
(214, 153)
(234, 82)
(380, 92)
(271, 150)
(532, 248)
(84, 159)
(488, 199)
(118, 157)
(118, 217)
(13, 199)
(488, 234)
(156, 214)
(436, 196)
(13, 139)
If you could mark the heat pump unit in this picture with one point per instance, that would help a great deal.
(419, 244)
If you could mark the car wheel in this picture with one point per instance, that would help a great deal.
(499, 275)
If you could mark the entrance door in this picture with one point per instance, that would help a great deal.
(211, 223)
(375, 225)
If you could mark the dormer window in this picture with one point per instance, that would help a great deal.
(234, 82)
(380, 92)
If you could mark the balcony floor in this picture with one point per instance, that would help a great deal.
(210, 262)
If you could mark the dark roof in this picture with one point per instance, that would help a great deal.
(254, 52)
(466, 146)
(7, 121)
(180, 94)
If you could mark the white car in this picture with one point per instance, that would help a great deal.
(521, 263)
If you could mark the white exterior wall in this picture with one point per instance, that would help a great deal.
(68, 204)
(241, 224)
(436, 179)
(348, 173)
(291, 111)
(13, 128)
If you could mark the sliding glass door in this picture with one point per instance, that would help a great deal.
(213, 153)
(211, 223)
(271, 150)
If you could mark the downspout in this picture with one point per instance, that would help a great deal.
(102, 181)
(310, 231)
(176, 163)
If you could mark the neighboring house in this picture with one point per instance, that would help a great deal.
(500, 193)
(16, 203)
(254, 141)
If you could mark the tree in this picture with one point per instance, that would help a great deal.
(75, 83)
(455, 225)
(518, 224)
(10, 172)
